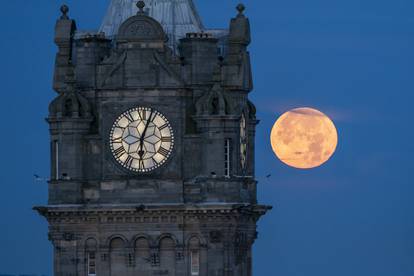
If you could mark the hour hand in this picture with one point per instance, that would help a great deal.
(141, 153)
(141, 145)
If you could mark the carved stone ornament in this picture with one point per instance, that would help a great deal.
(141, 28)
(213, 103)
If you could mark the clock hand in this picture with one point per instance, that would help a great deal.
(141, 143)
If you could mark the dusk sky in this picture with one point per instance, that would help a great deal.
(351, 59)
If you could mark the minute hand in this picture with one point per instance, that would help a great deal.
(145, 131)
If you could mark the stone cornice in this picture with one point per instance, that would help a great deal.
(51, 211)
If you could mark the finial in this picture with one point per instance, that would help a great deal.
(141, 6)
(240, 7)
(64, 9)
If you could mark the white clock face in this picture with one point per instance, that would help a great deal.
(141, 139)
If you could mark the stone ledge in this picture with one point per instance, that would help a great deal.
(124, 209)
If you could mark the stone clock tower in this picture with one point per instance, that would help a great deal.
(152, 145)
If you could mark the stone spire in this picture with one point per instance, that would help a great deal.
(178, 17)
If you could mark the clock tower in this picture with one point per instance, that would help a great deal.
(152, 145)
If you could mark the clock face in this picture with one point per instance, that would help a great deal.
(243, 142)
(141, 139)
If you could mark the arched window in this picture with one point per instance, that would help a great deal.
(142, 257)
(167, 255)
(117, 257)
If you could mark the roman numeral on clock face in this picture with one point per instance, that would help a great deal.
(119, 152)
(128, 161)
(167, 139)
(154, 161)
(129, 117)
(153, 115)
(143, 114)
(163, 152)
(117, 140)
(163, 126)
(141, 164)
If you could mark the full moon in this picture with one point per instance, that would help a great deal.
(304, 138)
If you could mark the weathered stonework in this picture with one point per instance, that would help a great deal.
(197, 213)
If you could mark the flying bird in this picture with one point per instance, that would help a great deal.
(38, 178)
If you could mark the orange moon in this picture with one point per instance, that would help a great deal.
(304, 138)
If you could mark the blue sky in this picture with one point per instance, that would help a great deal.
(353, 60)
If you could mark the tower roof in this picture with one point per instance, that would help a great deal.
(178, 17)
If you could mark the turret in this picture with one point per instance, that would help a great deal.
(70, 120)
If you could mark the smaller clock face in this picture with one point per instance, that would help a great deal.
(141, 139)
(243, 142)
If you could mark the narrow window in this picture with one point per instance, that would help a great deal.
(91, 264)
(56, 160)
(227, 157)
(195, 263)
